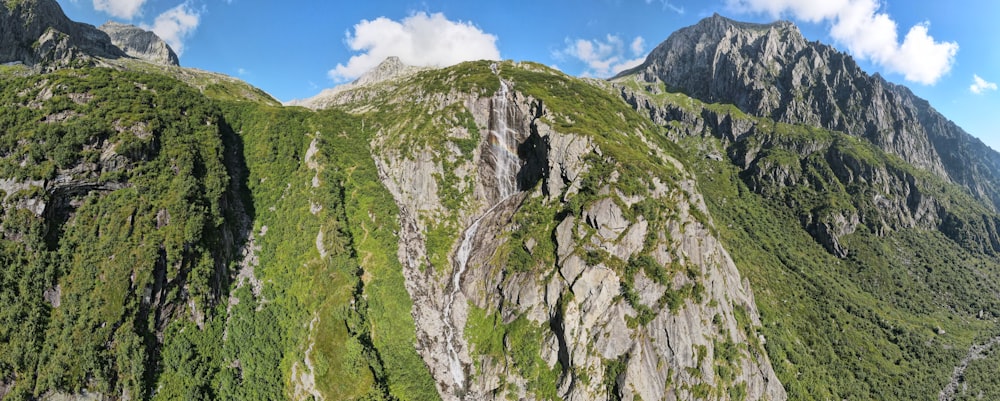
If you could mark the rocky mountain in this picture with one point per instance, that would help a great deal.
(37, 32)
(746, 216)
(391, 68)
(140, 43)
(792, 133)
(770, 70)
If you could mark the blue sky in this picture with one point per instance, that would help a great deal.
(293, 49)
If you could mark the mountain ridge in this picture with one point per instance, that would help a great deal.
(140, 43)
(772, 71)
(493, 230)
(37, 32)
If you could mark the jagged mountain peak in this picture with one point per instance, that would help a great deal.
(389, 69)
(693, 53)
(140, 43)
(772, 71)
(719, 22)
(37, 32)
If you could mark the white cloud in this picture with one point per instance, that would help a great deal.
(175, 25)
(638, 45)
(126, 9)
(980, 85)
(604, 58)
(421, 39)
(868, 34)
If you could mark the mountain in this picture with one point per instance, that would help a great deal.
(140, 43)
(490, 230)
(389, 69)
(770, 70)
(37, 32)
(863, 218)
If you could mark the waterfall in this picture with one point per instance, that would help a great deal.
(502, 151)
(503, 146)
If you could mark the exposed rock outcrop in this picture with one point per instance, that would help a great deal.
(664, 346)
(140, 43)
(391, 68)
(770, 70)
(37, 31)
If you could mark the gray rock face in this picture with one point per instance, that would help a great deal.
(770, 70)
(894, 197)
(389, 68)
(392, 68)
(37, 31)
(140, 43)
(577, 304)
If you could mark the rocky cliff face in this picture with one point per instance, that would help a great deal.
(140, 43)
(490, 231)
(788, 131)
(770, 70)
(37, 31)
(551, 280)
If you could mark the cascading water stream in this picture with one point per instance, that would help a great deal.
(506, 165)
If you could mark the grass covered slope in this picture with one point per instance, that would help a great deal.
(128, 280)
(168, 239)
(874, 278)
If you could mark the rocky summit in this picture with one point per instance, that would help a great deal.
(139, 43)
(744, 216)
(38, 33)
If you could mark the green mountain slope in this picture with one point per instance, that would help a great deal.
(892, 317)
(491, 230)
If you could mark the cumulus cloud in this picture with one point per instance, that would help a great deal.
(638, 45)
(126, 9)
(980, 85)
(421, 39)
(604, 58)
(175, 25)
(868, 34)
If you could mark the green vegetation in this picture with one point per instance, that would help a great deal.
(517, 343)
(113, 260)
(155, 178)
(978, 382)
(153, 260)
(358, 221)
(845, 328)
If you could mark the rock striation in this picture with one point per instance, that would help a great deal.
(771, 70)
(140, 43)
(37, 31)
(653, 344)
